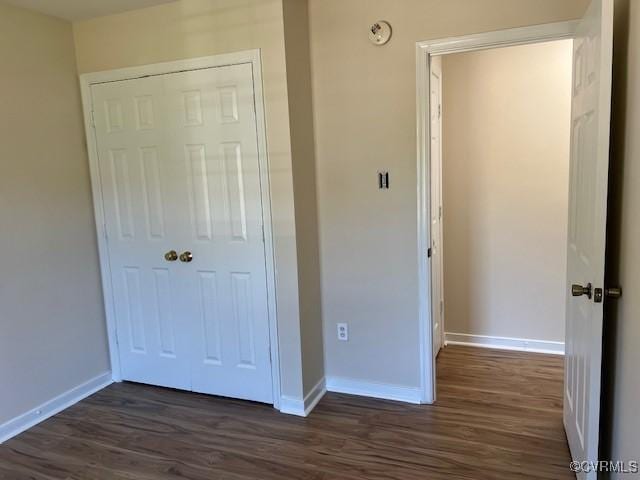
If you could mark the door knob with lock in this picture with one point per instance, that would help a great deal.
(171, 256)
(579, 290)
(613, 293)
(186, 257)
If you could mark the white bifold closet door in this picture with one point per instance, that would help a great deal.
(179, 167)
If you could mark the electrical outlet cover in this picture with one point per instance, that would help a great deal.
(343, 332)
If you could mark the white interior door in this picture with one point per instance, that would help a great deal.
(592, 64)
(212, 125)
(142, 222)
(437, 291)
(179, 166)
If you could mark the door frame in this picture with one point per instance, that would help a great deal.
(424, 51)
(87, 80)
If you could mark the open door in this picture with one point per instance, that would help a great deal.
(437, 273)
(590, 117)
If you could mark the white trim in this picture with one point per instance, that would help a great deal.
(501, 38)
(98, 208)
(375, 390)
(265, 186)
(252, 57)
(130, 73)
(424, 51)
(425, 319)
(51, 407)
(314, 396)
(292, 406)
(302, 408)
(505, 343)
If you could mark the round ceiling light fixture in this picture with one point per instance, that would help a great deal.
(380, 32)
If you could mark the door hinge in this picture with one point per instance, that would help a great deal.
(440, 212)
(264, 238)
(439, 110)
(441, 307)
(429, 252)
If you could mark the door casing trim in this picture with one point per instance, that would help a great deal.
(424, 51)
(252, 57)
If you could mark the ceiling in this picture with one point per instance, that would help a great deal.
(73, 10)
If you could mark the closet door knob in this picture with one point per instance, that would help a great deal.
(171, 256)
(186, 257)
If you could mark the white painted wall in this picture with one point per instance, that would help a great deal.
(506, 137)
(365, 121)
(52, 332)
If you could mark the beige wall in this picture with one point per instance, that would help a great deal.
(194, 28)
(296, 35)
(506, 136)
(620, 425)
(365, 120)
(52, 334)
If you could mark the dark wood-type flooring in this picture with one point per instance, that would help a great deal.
(498, 416)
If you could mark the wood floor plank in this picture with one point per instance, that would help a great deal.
(498, 417)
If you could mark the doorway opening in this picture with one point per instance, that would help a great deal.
(499, 205)
(500, 142)
(588, 128)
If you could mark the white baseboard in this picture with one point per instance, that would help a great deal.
(28, 419)
(314, 396)
(302, 408)
(505, 343)
(374, 390)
